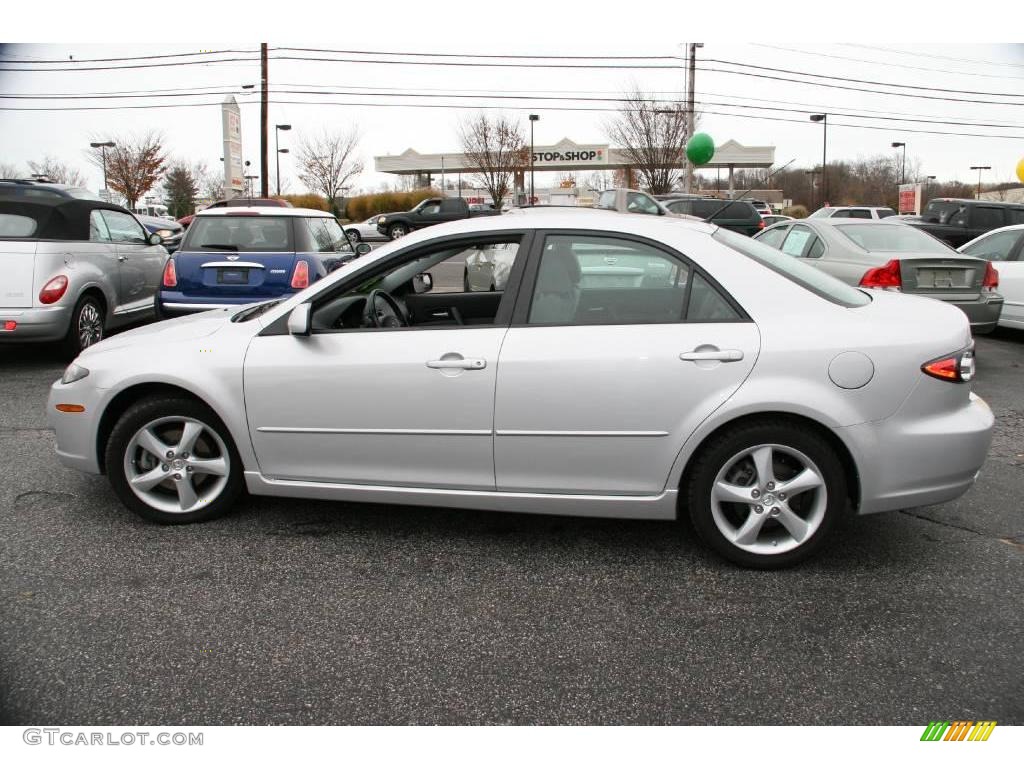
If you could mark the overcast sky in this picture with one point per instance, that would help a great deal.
(194, 132)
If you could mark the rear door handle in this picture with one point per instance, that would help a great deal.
(465, 364)
(721, 355)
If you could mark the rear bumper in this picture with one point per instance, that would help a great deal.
(178, 305)
(911, 460)
(983, 313)
(35, 323)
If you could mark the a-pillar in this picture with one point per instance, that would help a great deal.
(732, 186)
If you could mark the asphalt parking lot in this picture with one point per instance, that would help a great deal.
(319, 613)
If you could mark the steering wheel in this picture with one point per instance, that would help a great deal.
(391, 315)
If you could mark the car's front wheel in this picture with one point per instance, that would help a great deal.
(766, 494)
(171, 460)
(353, 235)
(396, 231)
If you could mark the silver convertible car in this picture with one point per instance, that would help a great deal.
(630, 366)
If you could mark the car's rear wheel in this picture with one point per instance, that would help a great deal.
(171, 460)
(87, 326)
(766, 494)
(353, 235)
(396, 231)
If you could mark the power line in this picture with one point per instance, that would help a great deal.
(473, 55)
(128, 58)
(126, 66)
(935, 56)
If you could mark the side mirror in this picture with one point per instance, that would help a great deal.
(154, 239)
(300, 320)
(363, 248)
(422, 282)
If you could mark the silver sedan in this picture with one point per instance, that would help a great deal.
(892, 256)
(629, 366)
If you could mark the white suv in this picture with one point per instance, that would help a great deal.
(853, 212)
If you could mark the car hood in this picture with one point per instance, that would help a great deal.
(158, 334)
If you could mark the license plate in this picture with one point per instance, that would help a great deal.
(935, 278)
(233, 276)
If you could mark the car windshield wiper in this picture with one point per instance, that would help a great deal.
(220, 246)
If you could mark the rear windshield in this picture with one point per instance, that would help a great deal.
(705, 208)
(895, 238)
(12, 225)
(941, 211)
(258, 233)
(804, 275)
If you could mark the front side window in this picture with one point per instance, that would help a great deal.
(637, 202)
(801, 273)
(98, 231)
(597, 280)
(607, 200)
(258, 234)
(123, 227)
(995, 247)
(430, 210)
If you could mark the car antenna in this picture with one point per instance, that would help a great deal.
(733, 200)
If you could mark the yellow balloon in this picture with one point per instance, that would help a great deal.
(1020, 169)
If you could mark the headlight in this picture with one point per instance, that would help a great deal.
(74, 373)
(165, 233)
(381, 220)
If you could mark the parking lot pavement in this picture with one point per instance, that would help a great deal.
(305, 612)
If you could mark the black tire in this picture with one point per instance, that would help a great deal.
(87, 314)
(353, 235)
(718, 455)
(397, 230)
(141, 414)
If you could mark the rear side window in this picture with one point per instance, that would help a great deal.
(990, 218)
(1015, 215)
(639, 203)
(884, 213)
(256, 234)
(12, 225)
(773, 237)
(801, 273)
(326, 235)
(607, 200)
(995, 247)
(796, 242)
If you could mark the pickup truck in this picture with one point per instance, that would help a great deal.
(634, 201)
(960, 221)
(434, 210)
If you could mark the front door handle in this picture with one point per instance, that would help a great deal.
(121, 257)
(719, 355)
(458, 363)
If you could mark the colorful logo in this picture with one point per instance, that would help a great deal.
(958, 730)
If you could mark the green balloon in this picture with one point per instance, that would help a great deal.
(700, 148)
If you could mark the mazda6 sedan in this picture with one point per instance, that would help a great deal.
(629, 366)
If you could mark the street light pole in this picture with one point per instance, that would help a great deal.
(979, 169)
(102, 145)
(823, 119)
(283, 127)
(533, 119)
(903, 165)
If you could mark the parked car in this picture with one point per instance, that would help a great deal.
(892, 256)
(365, 230)
(687, 389)
(433, 210)
(634, 201)
(240, 202)
(853, 212)
(234, 256)
(959, 221)
(761, 207)
(72, 269)
(1005, 248)
(775, 219)
(738, 215)
(32, 188)
(488, 267)
(169, 230)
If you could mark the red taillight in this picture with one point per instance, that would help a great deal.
(10, 325)
(54, 290)
(170, 275)
(300, 277)
(887, 276)
(991, 280)
(760, 224)
(958, 367)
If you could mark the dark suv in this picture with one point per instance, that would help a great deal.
(739, 216)
(959, 221)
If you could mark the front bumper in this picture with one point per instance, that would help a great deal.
(76, 432)
(914, 459)
(35, 323)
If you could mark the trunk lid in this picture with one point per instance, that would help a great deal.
(234, 275)
(950, 279)
(17, 272)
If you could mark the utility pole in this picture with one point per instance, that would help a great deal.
(691, 72)
(264, 170)
(979, 169)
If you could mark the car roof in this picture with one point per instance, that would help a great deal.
(857, 222)
(261, 210)
(571, 217)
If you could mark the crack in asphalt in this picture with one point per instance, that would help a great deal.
(26, 431)
(1005, 540)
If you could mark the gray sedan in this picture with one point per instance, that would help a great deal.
(893, 256)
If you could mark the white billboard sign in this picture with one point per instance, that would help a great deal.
(231, 119)
(571, 155)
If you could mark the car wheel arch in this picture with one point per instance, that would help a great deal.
(850, 470)
(136, 393)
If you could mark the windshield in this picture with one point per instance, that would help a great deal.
(270, 234)
(804, 275)
(895, 238)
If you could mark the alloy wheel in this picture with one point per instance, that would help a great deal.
(89, 325)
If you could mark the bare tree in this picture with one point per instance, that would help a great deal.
(327, 162)
(56, 171)
(134, 165)
(495, 145)
(652, 136)
(9, 171)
